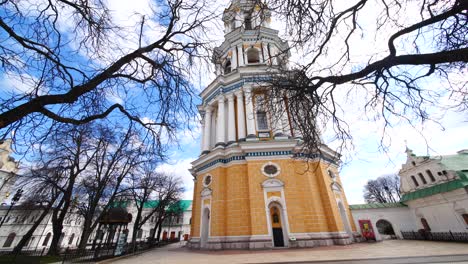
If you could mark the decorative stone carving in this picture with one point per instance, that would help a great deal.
(336, 187)
(206, 192)
(271, 183)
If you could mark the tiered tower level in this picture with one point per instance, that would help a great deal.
(253, 186)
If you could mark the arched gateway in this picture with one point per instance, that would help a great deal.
(254, 187)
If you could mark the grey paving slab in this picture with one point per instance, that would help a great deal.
(387, 252)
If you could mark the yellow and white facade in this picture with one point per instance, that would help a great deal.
(254, 188)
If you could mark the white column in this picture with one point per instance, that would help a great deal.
(241, 55)
(221, 132)
(207, 127)
(202, 138)
(234, 58)
(231, 119)
(240, 115)
(249, 113)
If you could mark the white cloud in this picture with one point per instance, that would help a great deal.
(180, 168)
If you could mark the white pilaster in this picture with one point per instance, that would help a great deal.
(240, 115)
(202, 138)
(207, 127)
(241, 55)
(231, 119)
(234, 58)
(221, 139)
(249, 112)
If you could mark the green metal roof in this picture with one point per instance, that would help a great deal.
(439, 188)
(458, 162)
(375, 206)
(151, 204)
(181, 206)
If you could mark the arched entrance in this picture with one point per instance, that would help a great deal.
(385, 228)
(277, 221)
(205, 227)
(345, 220)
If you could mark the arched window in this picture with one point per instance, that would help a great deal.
(70, 241)
(247, 21)
(422, 178)
(46, 240)
(425, 224)
(9, 240)
(415, 181)
(465, 217)
(227, 66)
(431, 176)
(253, 55)
(262, 121)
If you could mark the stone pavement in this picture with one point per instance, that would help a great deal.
(388, 252)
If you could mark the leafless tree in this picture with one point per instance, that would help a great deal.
(117, 157)
(168, 194)
(384, 189)
(393, 84)
(141, 188)
(61, 162)
(74, 64)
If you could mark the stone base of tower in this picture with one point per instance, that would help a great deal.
(306, 240)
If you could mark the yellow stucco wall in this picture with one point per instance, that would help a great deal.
(238, 201)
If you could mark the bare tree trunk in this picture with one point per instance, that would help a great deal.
(30, 232)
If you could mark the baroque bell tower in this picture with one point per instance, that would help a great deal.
(254, 188)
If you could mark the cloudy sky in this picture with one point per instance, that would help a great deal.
(367, 160)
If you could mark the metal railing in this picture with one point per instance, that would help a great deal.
(76, 255)
(435, 236)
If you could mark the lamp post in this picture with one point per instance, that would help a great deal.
(14, 200)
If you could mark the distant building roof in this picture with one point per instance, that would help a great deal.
(457, 163)
(375, 206)
(182, 205)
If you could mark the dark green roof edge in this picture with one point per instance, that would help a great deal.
(375, 206)
(436, 189)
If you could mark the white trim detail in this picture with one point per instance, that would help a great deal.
(206, 193)
(204, 179)
(278, 169)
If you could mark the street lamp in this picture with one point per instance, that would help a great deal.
(14, 200)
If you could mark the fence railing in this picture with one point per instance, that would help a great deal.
(435, 236)
(77, 255)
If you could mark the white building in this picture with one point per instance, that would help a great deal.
(8, 170)
(434, 197)
(19, 221)
(174, 227)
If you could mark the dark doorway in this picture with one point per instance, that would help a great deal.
(277, 227)
(278, 237)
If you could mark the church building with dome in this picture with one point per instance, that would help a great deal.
(254, 187)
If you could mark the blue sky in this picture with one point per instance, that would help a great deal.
(367, 160)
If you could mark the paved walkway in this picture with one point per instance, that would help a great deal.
(392, 251)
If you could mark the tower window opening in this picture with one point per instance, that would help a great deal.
(248, 22)
(415, 181)
(422, 178)
(431, 175)
(262, 121)
(227, 67)
(253, 56)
